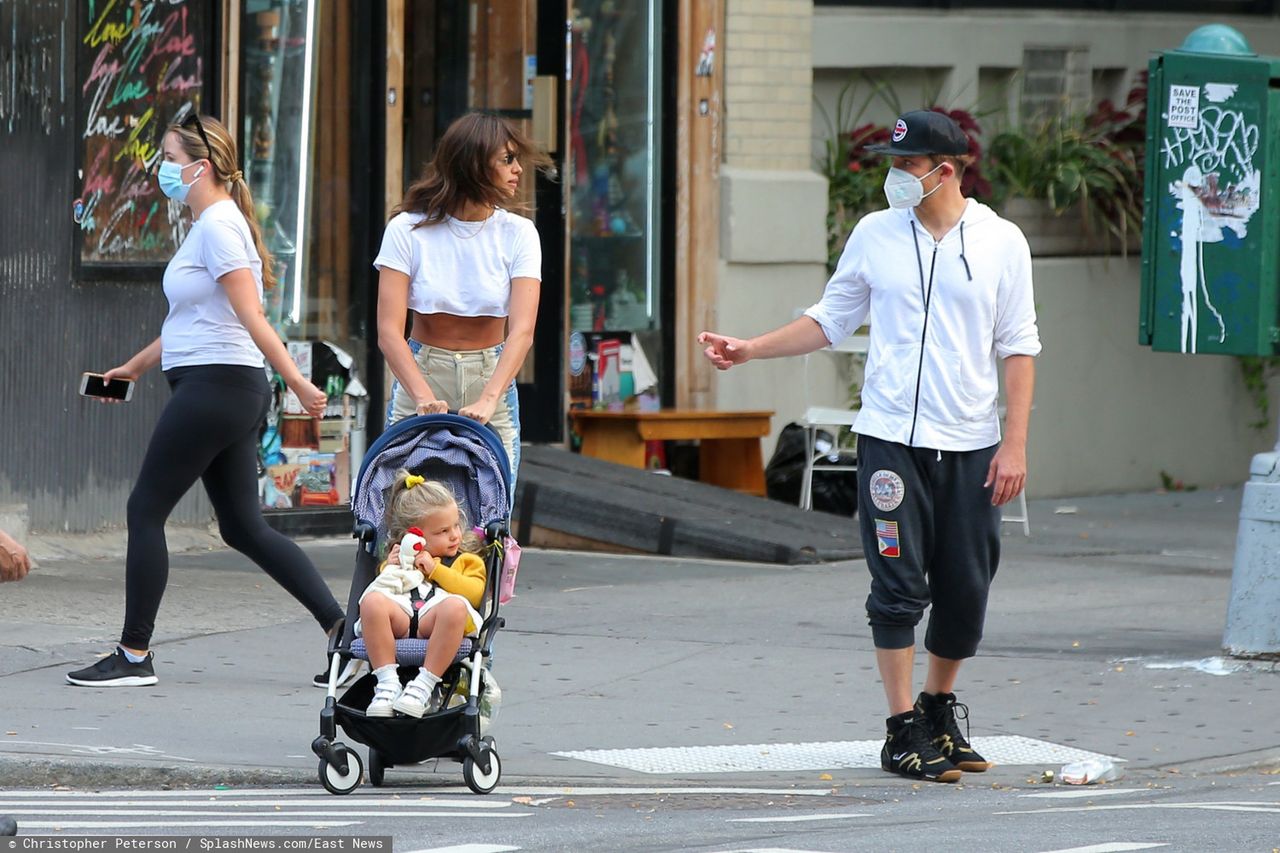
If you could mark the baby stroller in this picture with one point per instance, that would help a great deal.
(469, 458)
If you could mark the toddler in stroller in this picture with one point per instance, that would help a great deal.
(427, 472)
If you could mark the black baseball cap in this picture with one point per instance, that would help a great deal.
(924, 132)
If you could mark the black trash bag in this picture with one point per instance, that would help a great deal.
(835, 492)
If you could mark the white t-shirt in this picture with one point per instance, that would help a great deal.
(202, 327)
(462, 268)
(932, 382)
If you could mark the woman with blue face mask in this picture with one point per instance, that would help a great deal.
(211, 349)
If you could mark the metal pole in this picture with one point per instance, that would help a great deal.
(1253, 614)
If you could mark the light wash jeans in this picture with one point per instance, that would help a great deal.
(458, 377)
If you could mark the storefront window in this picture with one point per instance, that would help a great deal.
(296, 133)
(612, 173)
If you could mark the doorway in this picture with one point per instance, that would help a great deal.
(462, 55)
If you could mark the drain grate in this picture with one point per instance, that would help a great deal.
(830, 755)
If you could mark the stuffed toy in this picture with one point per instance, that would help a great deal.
(411, 544)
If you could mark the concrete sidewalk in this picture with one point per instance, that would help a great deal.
(1104, 635)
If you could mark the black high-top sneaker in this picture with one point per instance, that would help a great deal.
(941, 711)
(908, 750)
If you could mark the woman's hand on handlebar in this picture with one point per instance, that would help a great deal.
(432, 407)
(481, 410)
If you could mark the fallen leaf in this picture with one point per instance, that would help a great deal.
(524, 801)
(728, 725)
(825, 777)
(1075, 644)
(1128, 734)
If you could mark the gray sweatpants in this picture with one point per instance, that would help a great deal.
(930, 535)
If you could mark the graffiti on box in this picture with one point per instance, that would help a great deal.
(1213, 148)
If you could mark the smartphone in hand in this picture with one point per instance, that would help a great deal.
(93, 385)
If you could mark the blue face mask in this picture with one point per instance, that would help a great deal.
(170, 179)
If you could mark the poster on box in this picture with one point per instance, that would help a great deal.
(608, 385)
(280, 489)
(317, 485)
(300, 352)
(583, 384)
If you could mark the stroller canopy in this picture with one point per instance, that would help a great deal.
(465, 455)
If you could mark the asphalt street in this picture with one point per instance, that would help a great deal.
(661, 704)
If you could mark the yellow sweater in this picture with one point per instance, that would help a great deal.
(466, 577)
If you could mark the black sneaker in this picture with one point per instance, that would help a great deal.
(346, 677)
(909, 752)
(941, 710)
(115, 670)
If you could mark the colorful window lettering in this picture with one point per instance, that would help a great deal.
(141, 65)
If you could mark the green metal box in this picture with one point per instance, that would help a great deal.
(1212, 199)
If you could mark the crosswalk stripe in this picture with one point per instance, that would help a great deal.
(336, 812)
(800, 818)
(1113, 847)
(158, 824)
(347, 802)
(819, 755)
(1265, 808)
(1087, 793)
(767, 850)
(319, 793)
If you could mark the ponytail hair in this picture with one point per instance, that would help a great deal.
(205, 138)
(408, 501)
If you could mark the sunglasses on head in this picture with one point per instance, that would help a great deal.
(194, 119)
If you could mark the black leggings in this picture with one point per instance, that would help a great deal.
(209, 430)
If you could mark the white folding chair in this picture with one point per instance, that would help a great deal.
(815, 417)
(1022, 517)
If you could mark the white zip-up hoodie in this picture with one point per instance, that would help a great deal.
(937, 324)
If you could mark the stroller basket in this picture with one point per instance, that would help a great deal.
(468, 458)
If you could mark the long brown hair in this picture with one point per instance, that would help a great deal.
(221, 152)
(462, 169)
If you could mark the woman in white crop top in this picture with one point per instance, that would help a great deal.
(211, 350)
(469, 270)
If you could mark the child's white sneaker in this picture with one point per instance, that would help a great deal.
(415, 700)
(384, 699)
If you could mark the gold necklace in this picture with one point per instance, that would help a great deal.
(464, 235)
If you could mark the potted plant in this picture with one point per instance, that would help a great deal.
(1074, 184)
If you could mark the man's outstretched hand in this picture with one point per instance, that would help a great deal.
(724, 352)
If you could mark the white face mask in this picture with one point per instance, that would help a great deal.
(904, 189)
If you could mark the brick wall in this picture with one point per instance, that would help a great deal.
(768, 83)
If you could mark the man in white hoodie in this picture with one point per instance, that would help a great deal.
(945, 285)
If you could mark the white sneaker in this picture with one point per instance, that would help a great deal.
(415, 701)
(385, 696)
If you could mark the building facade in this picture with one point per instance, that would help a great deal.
(686, 136)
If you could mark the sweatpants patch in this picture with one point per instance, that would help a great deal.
(887, 538)
(887, 490)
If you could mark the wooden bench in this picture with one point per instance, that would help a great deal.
(728, 442)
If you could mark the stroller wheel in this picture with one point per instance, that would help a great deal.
(337, 783)
(477, 780)
(376, 768)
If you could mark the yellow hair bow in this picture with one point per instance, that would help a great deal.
(414, 480)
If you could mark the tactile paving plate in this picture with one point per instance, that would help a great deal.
(830, 755)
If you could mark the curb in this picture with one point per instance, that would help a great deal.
(46, 772)
(1257, 760)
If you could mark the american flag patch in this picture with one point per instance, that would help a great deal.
(887, 538)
